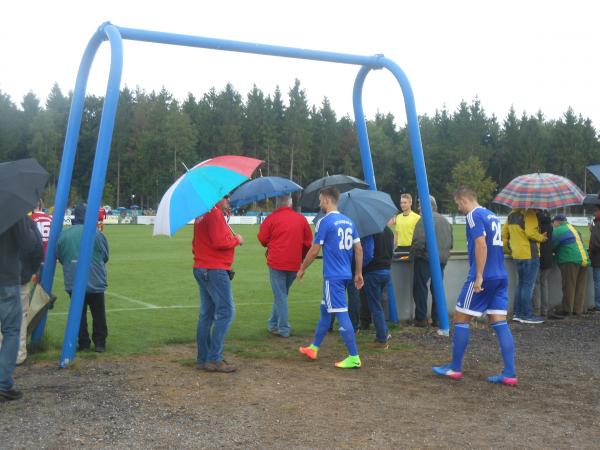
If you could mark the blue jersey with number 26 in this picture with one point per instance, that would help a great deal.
(483, 222)
(337, 235)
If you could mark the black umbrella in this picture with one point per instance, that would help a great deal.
(21, 185)
(369, 210)
(591, 200)
(310, 195)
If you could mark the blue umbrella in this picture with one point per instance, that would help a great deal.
(369, 210)
(261, 189)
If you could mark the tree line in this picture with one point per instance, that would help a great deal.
(156, 136)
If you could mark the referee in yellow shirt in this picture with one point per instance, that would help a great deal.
(404, 224)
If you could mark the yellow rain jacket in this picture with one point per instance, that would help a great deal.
(521, 235)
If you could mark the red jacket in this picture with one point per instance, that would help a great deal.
(214, 242)
(287, 236)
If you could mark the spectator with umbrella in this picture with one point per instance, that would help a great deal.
(522, 238)
(541, 191)
(21, 185)
(202, 193)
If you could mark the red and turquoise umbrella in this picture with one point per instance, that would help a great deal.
(201, 188)
(540, 191)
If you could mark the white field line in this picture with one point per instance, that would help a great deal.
(132, 300)
(176, 307)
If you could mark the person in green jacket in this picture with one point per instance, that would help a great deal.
(68, 253)
(572, 259)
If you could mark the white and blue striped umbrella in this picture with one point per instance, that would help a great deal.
(201, 188)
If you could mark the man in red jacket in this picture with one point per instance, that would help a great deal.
(213, 248)
(288, 237)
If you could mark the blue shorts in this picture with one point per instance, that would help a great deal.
(334, 295)
(492, 300)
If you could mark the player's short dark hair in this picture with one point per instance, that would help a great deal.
(465, 192)
(331, 192)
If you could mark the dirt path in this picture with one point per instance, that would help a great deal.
(392, 402)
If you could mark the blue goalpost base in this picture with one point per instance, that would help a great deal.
(115, 36)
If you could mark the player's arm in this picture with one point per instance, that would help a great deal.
(480, 259)
(310, 257)
(358, 260)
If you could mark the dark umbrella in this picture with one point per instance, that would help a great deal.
(369, 210)
(21, 185)
(591, 200)
(262, 188)
(310, 195)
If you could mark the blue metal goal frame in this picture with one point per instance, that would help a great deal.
(115, 36)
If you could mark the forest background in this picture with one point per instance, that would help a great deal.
(156, 134)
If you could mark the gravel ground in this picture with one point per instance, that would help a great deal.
(392, 402)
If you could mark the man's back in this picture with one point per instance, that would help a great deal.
(287, 236)
(336, 234)
(483, 222)
(68, 254)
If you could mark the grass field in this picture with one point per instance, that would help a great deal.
(152, 299)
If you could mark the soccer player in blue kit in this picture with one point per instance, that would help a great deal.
(337, 235)
(485, 291)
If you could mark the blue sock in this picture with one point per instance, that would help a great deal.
(347, 332)
(322, 326)
(507, 347)
(460, 340)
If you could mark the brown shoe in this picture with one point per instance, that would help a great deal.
(219, 366)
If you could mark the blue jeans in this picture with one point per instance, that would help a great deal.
(527, 270)
(375, 283)
(281, 281)
(216, 312)
(596, 273)
(11, 315)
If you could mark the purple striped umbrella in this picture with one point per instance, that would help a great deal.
(540, 191)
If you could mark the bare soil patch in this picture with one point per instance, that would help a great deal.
(394, 401)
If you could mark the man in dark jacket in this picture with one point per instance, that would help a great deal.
(68, 253)
(377, 276)
(540, 293)
(594, 251)
(422, 272)
(17, 240)
(30, 263)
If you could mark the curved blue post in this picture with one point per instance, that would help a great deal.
(66, 169)
(367, 163)
(423, 188)
(115, 36)
(361, 128)
(107, 121)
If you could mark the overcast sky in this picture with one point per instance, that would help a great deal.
(530, 54)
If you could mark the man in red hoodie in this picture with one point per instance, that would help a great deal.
(213, 248)
(288, 238)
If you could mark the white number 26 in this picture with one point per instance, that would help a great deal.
(345, 238)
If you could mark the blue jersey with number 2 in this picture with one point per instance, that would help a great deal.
(483, 222)
(337, 235)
